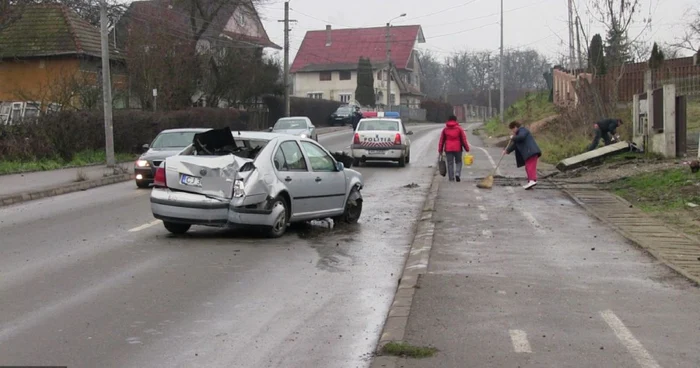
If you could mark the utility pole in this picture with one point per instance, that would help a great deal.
(578, 43)
(502, 104)
(388, 62)
(286, 21)
(490, 80)
(572, 57)
(106, 86)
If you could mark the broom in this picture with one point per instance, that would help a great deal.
(487, 182)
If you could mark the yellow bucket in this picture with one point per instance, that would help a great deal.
(468, 159)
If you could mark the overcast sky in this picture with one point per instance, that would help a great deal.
(453, 25)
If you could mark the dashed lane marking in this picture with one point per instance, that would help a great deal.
(476, 191)
(479, 198)
(510, 190)
(145, 226)
(482, 208)
(520, 343)
(487, 233)
(484, 216)
(533, 221)
(641, 355)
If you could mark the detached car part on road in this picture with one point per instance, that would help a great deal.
(296, 125)
(167, 143)
(381, 137)
(259, 179)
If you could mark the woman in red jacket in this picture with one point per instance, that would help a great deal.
(452, 140)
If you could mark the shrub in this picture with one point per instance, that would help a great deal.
(436, 111)
(315, 109)
(61, 135)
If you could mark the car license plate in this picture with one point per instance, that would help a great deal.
(191, 180)
(374, 152)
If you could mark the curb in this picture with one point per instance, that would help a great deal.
(630, 237)
(63, 189)
(416, 264)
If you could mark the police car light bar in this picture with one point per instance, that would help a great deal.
(391, 114)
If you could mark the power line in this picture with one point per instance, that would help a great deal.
(485, 16)
(441, 11)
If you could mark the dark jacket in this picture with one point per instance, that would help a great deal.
(524, 146)
(453, 138)
(607, 125)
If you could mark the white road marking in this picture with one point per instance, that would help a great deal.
(520, 343)
(476, 191)
(510, 190)
(486, 233)
(533, 221)
(484, 216)
(478, 198)
(482, 208)
(633, 345)
(145, 226)
(493, 163)
(502, 292)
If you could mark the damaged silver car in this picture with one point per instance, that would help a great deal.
(259, 179)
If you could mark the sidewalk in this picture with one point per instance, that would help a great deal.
(521, 278)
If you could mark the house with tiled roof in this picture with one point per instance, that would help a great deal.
(326, 64)
(236, 25)
(44, 52)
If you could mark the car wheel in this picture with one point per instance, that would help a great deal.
(353, 209)
(402, 161)
(280, 225)
(142, 184)
(356, 162)
(176, 228)
(408, 157)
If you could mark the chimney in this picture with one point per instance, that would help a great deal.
(328, 35)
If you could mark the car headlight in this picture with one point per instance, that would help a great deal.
(142, 163)
(238, 190)
(304, 135)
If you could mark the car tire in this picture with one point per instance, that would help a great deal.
(280, 225)
(408, 157)
(356, 162)
(352, 211)
(176, 228)
(142, 184)
(402, 161)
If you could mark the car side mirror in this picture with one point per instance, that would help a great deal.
(145, 147)
(410, 132)
(339, 166)
(269, 129)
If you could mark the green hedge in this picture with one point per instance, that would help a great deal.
(437, 111)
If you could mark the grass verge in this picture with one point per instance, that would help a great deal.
(665, 195)
(693, 115)
(531, 108)
(402, 349)
(85, 158)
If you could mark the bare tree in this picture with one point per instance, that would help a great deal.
(433, 83)
(690, 40)
(617, 16)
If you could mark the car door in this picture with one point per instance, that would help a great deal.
(312, 129)
(292, 170)
(328, 183)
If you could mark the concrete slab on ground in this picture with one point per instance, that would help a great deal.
(586, 157)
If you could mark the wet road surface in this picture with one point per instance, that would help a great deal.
(528, 279)
(89, 279)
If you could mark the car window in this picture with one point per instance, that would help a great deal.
(379, 124)
(320, 160)
(291, 124)
(173, 140)
(289, 157)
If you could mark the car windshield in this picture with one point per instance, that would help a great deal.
(291, 124)
(343, 110)
(173, 140)
(379, 124)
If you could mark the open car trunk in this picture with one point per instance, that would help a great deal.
(211, 166)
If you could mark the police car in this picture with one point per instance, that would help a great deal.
(381, 136)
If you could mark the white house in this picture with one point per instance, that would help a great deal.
(326, 64)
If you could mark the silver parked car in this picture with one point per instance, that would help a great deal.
(296, 125)
(254, 179)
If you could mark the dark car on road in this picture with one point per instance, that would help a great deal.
(344, 115)
(167, 143)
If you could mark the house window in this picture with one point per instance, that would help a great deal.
(316, 95)
(16, 114)
(393, 99)
(379, 75)
(324, 76)
(4, 113)
(345, 75)
(31, 110)
(345, 97)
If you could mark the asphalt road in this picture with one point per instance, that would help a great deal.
(89, 279)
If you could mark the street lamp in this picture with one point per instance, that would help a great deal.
(388, 60)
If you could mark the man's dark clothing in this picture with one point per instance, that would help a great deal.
(606, 129)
